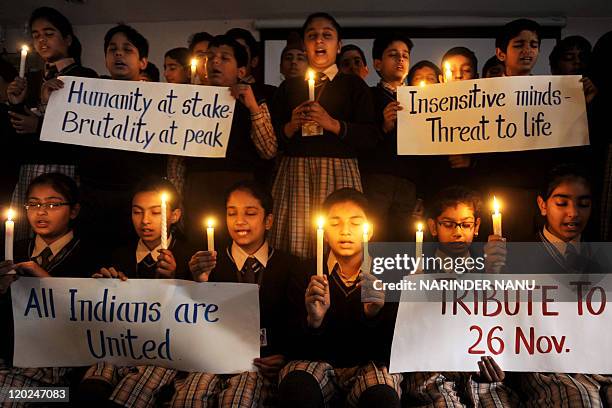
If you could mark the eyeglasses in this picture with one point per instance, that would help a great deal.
(43, 206)
(466, 225)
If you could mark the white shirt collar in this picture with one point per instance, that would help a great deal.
(559, 243)
(331, 72)
(56, 246)
(332, 261)
(142, 250)
(240, 256)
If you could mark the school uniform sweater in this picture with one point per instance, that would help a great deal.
(347, 99)
(346, 337)
(273, 282)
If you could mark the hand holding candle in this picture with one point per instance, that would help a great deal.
(210, 234)
(9, 232)
(164, 221)
(497, 218)
(22, 64)
(320, 232)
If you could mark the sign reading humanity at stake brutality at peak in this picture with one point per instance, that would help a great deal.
(176, 119)
(189, 326)
(492, 115)
(561, 324)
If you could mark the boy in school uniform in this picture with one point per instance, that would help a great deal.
(340, 344)
(389, 180)
(144, 259)
(352, 60)
(251, 142)
(248, 259)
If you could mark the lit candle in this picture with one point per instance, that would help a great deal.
(311, 85)
(448, 74)
(22, 64)
(497, 218)
(419, 240)
(320, 231)
(9, 228)
(194, 69)
(366, 254)
(210, 234)
(422, 84)
(164, 221)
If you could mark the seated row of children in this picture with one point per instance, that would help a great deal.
(357, 147)
(321, 343)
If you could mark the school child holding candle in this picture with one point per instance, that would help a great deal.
(389, 180)
(248, 259)
(424, 73)
(55, 42)
(340, 345)
(565, 202)
(145, 258)
(176, 66)
(252, 141)
(314, 166)
(198, 46)
(52, 208)
(454, 222)
(352, 60)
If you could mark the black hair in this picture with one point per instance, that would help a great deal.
(381, 43)
(61, 183)
(63, 25)
(562, 173)
(242, 34)
(151, 71)
(159, 185)
(325, 16)
(583, 45)
(180, 54)
(423, 64)
(294, 42)
(240, 52)
(491, 62)
(133, 36)
(197, 38)
(352, 47)
(514, 28)
(467, 53)
(256, 190)
(452, 196)
(347, 194)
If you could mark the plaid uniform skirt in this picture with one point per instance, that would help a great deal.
(561, 390)
(348, 383)
(300, 187)
(27, 173)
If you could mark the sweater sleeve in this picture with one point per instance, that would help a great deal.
(359, 130)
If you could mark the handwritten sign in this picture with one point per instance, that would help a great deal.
(492, 115)
(68, 322)
(540, 331)
(176, 119)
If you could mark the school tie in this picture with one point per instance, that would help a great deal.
(321, 77)
(45, 258)
(573, 258)
(250, 270)
(50, 71)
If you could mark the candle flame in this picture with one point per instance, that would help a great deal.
(321, 222)
(25, 48)
(495, 205)
(210, 222)
(422, 84)
(164, 197)
(194, 63)
(10, 214)
(447, 66)
(366, 228)
(420, 227)
(311, 75)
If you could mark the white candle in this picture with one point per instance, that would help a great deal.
(210, 234)
(9, 233)
(448, 74)
(419, 240)
(497, 218)
(22, 64)
(320, 231)
(366, 253)
(164, 221)
(311, 85)
(194, 69)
